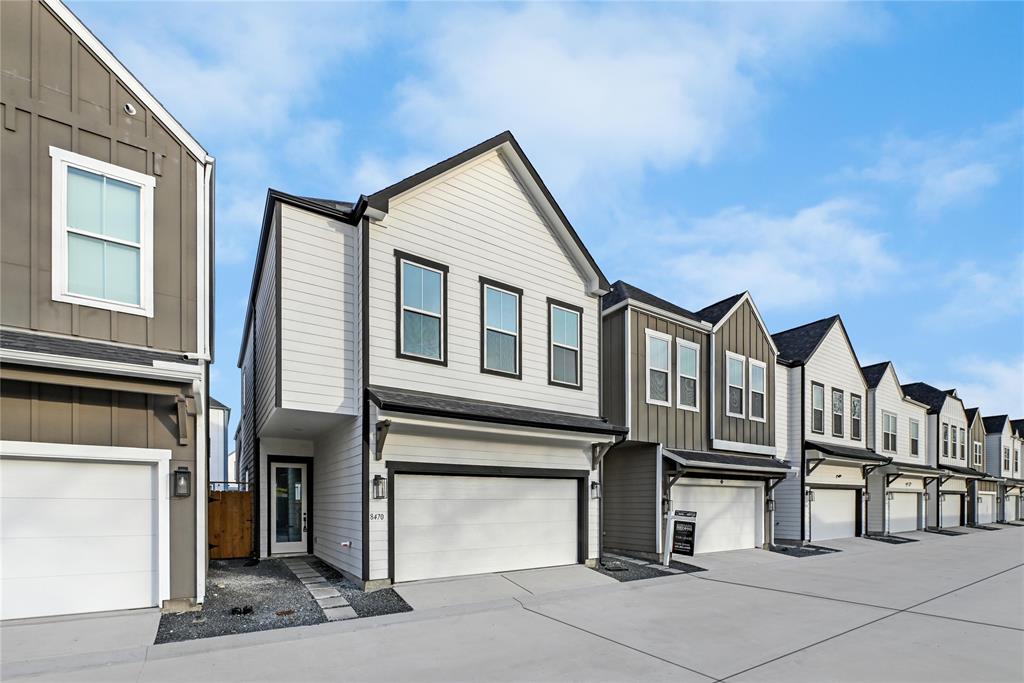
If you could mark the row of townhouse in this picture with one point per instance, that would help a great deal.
(438, 380)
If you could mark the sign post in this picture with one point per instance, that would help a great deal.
(680, 534)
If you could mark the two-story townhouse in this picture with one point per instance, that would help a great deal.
(420, 376)
(697, 391)
(106, 238)
(824, 497)
(896, 428)
(1003, 438)
(1013, 493)
(983, 495)
(947, 446)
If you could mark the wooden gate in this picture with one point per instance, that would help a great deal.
(229, 524)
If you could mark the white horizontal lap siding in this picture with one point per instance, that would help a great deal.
(835, 366)
(265, 342)
(478, 221)
(337, 497)
(888, 398)
(788, 500)
(495, 451)
(953, 414)
(319, 300)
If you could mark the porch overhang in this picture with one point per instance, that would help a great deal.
(720, 464)
(820, 453)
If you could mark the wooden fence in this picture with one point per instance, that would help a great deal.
(229, 524)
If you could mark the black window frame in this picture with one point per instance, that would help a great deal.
(915, 441)
(400, 257)
(508, 289)
(578, 310)
(842, 414)
(859, 421)
(821, 386)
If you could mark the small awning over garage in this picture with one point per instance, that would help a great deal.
(726, 462)
(859, 456)
(964, 472)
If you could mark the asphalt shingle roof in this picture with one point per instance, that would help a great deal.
(874, 373)
(81, 348)
(623, 290)
(716, 311)
(797, 344)
(994, 423)
(1018, 427)
(926, 394)
(724, 461)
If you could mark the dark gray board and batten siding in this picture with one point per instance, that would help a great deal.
(613, 367)
(630, 498)
(742, 334)
(56, 92)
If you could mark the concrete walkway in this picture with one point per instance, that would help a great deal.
(941, 609)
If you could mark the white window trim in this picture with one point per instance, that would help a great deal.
(729, 355)
(61, 161)
(403, 308)
(517, 335)
(895, 434)
(979, 458)
(751, 364)
(963, 444)
(910, 437)
(818, 385)
(578, 348)
(684, 343)
(661, 336)
(953, 442)
(945, 440)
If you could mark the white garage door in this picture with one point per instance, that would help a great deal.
(726, 515)
(1010, 508)
(76, 537)
(452, 526)
(903, 512)
(833, 514)
(986, 508)
(950, 510)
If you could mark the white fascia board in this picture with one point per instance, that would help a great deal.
(658, 312)
(125, 76)
(160, 370)
(743, 447)
(411, 423)
(757, 314)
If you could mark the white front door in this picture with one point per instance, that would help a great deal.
(1010, 508)
(454, 525)
(986, 508)
(950, 503)
(288, 523)
(726, 515)
(903, 509)
(833, 514)
(77, 536)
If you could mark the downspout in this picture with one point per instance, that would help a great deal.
(803, 460)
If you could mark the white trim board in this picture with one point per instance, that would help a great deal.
(161, 370)
(161, 458)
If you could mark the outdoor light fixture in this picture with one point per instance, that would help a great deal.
(380, 487)
(927, 496)
(182, 483)
(595, 489)
(771, 505)
(891, 495)
(867, 496)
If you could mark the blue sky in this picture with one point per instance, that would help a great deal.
(859, 159)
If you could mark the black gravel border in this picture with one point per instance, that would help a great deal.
(893, 540)
(803, 550)
(366, 604)
(946, 532)
(624, 569)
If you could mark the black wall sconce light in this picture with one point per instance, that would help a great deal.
(595, 489)
(771, 505)
(182, 483)
(380, 487)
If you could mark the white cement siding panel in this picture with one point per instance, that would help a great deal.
(338, 495)
(835, 366)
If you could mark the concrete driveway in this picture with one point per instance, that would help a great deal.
(946, 608)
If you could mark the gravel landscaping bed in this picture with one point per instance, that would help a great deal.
(630, 569)
(371, 604)
(276, 598)
(946, 532)
(895, 540)
(803, 550)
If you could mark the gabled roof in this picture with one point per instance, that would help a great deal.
(994, 423)
(718, 310)
(620, 291)
(928, 395)
(874, 373)
(971, 414)
(798, 344)
(1018, 427)
(513, 153)
(214, 403)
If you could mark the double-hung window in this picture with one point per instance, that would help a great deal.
(952, 436)
(1006, 458)
(888, 432)
(422, 294)
(978, 457)
(102, 241)
(945, 439)
(501, 350)
(758, 382)
(687, 367)
(855, 416)
(915, 437)
(837, 412)
(565, 332)
(659, 360)
(963, 444)
(817, 408)
(735, 380)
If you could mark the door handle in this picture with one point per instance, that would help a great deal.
(303, 522)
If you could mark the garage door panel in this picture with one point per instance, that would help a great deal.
(70, 556)
(26, 517)
(903, 512)
(833, 514)
(1010, 507)
(950, 511)
(726, 515)
(78, 594)
(452, 525)
(986, 508)
(25, 478)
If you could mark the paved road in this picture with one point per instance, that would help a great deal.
(941, 609)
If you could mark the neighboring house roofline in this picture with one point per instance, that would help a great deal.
(507, 143)
(624, 294)
(994, 424)
(133, 84)
(744, 296)
(802, 356)
(931, 396)
(873, 374)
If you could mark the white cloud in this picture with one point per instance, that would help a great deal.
(991, 292)
(943, 171)
(818, 254)
(610, 91)
(995, 385)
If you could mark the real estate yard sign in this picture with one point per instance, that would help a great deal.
(680, 532)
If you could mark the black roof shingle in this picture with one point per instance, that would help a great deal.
(994, 423)
(926, 394)
(716, 311)
(623, 290)
(874, 373)
(797, 344)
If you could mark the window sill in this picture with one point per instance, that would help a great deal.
(422, 359)
(113, 306)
